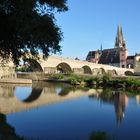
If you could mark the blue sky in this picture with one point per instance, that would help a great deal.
(90, 23)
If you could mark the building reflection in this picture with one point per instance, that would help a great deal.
(120, 103)
(118, 99)
(138, 99)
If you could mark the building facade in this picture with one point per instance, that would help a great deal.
(137, 64)
(117, 56)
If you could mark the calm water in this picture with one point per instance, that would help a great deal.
(47, 111)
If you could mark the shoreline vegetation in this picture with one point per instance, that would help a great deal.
(129, 83)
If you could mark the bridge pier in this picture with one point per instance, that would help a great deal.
(95, 71)
(50, 70)
(78, 70)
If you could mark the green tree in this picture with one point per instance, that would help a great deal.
(29, 27)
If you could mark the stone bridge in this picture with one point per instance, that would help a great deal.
(55, 64)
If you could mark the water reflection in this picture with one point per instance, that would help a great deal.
(120, 103)
(44, 105)
(99, 135)
(24, 93)
(35, 94)
(22, 98)
(138, 99)
(7, 132)
(7, 91)
(49, 93)
(118, 98)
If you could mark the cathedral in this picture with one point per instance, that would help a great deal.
(117, 56)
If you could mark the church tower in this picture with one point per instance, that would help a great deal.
(120, 41)
(121, 46)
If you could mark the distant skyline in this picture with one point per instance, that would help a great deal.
(90, 23)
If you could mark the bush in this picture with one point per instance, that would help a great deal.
(75, 80)
(107, 77)
(58, 76)
(90, 81)
(132, 82)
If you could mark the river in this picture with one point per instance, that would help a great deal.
(54, 111)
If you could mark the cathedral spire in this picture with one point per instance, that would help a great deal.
(120, 42)
(101, 48)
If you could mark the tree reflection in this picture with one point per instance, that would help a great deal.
(7, 132)
(98, 136)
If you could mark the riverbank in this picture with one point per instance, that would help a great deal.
(16, 81)
(103, 81)
(131, 83)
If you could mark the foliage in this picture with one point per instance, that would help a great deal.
(132, 82)
(28, 27)
(75, 79)
(98, 81)
(23, 69)
(127, 83)
(106, 77)
(57, 76)
(106, 80)
(90, 81)
(106, 93)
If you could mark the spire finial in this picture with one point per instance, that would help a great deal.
(120, 42)
(101, 47)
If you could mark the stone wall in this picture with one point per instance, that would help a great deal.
(7, 72)
(33, 75)
(78, 70)
(7, 69)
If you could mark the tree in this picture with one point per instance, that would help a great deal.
(29, 27)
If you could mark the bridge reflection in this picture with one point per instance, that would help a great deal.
(41, 94)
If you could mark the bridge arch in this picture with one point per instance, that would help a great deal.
(101, 71)
(87, 69)
(129, 73)
(112, 72)
(64, 68)
(34, 65)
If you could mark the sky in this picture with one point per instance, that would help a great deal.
(89, 23)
